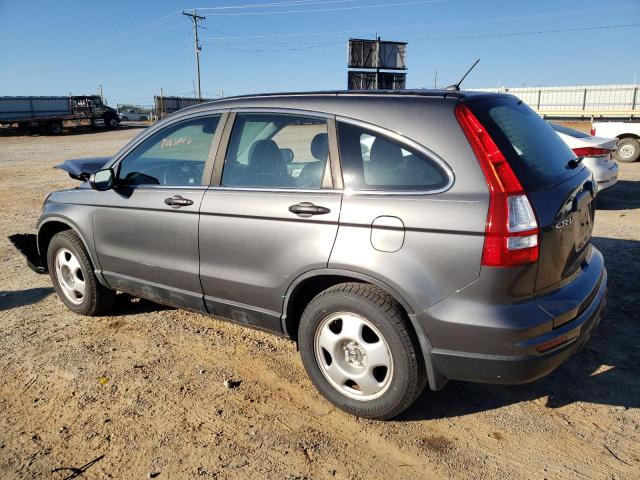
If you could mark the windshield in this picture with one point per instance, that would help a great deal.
(538, 156)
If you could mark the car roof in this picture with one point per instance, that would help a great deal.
(319, 99)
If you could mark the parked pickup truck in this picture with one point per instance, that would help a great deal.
(628, 135)
(132, 115)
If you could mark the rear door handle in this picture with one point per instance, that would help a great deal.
(307, 209)
(177, 201)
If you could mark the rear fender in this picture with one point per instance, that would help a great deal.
(436, 381)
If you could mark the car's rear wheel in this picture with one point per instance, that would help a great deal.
(360, 351)
(628, 150)
(73, 278)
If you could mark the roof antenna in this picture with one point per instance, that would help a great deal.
(456, 86)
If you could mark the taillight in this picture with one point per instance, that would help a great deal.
(593, 131)
(591, 152)
(511, 233)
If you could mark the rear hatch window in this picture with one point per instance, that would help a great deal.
(535, 152)
(561, 196)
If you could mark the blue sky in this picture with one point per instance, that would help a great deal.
(133, 48)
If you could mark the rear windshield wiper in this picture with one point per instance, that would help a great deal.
(574, 162)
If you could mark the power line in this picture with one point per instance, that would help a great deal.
(91, 52)
(278, 4)
(262, 51)
(418, 26)
(132, 32)
(518, 34)
(333, 9)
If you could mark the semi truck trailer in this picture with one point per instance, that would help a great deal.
(52, 114)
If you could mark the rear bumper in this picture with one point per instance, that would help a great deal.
(527, 368)
(605, 173)
(604, 184)
(510, 344)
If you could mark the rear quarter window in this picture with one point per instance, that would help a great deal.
(372, 161)
(538, 156)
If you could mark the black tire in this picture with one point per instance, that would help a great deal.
(630, 149)
(111, 122)
(54, 128)
(407, 377)
(125, 119)
(96, 298)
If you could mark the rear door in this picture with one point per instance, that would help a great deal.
(561, 192)
(270, 215)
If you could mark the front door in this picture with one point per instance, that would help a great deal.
(146, 229)
(273, 217)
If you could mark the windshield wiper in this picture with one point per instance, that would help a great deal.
(574, 162)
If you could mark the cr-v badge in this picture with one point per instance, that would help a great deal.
(564, 223)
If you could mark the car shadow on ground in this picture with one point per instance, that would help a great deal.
(625, 195)
(26, 245)
(126, 304)
(22, 298)
(604, 372)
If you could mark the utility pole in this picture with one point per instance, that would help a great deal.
(195, 17)
(435, 79)
(377, 61)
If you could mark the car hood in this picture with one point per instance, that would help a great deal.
(82, 168)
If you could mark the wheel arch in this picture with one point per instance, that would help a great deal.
(311, 283)
(50, 227)
(308, 285)
(628, 135)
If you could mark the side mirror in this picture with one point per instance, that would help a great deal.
(102, 179)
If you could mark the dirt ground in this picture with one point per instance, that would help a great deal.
(141, 394)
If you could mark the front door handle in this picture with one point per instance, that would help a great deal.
(177, 201)
(307, 209)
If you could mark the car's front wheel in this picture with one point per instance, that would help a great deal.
(360, 351)
(73, 278)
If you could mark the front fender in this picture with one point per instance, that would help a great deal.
(61, 216)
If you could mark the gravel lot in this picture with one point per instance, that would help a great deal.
(141, 393)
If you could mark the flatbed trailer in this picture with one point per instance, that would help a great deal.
(52, 114)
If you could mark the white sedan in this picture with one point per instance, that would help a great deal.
(595, 151)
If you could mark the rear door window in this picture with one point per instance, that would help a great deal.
(372, 161)
(538, 156)
(276, 151)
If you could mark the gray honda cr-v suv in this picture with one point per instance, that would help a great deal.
(401, 238)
